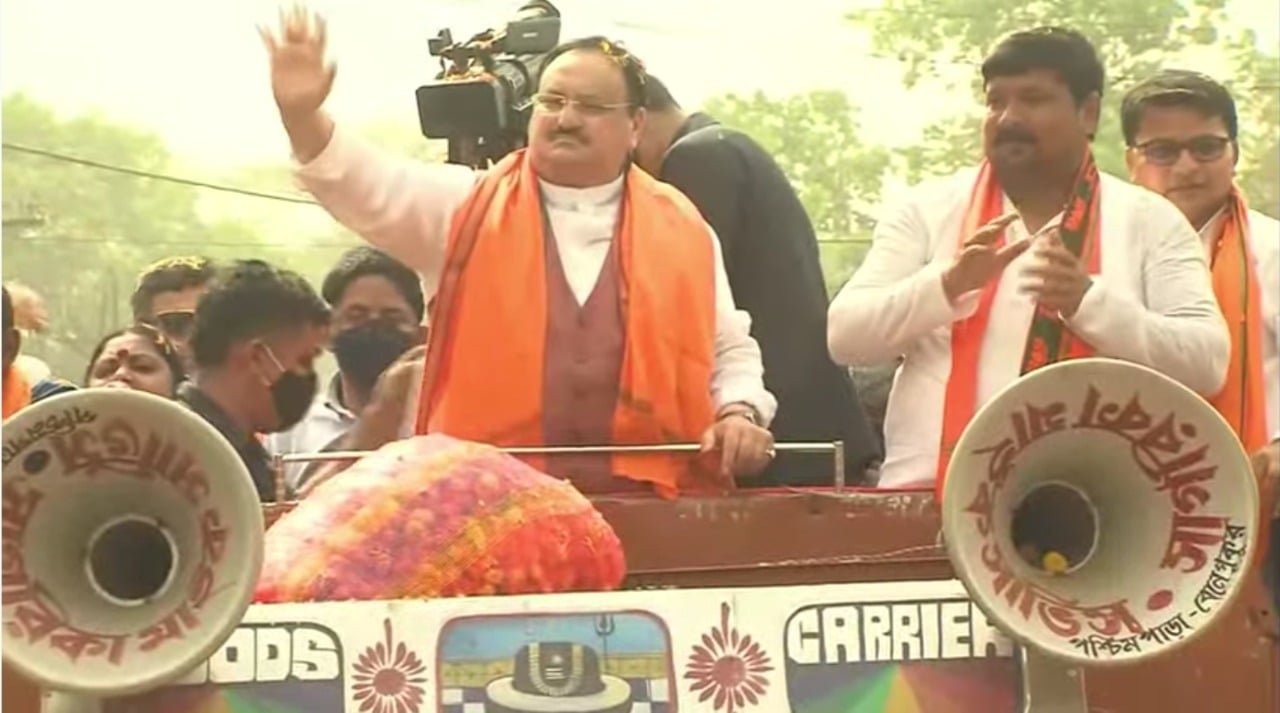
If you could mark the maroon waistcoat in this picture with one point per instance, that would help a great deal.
(582, 372)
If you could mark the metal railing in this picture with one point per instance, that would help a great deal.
(835, 448)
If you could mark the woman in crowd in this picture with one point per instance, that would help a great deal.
(137, 357)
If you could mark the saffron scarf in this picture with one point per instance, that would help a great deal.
(17, 392)
(1242, 401)
(483, 376)
(1048, 339)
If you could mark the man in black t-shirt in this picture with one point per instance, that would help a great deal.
(258, 331)
(771, 257)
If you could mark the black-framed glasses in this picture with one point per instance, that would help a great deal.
(177, 324)
(556, 103)
(1166, 152)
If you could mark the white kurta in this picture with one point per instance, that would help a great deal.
(405, 207)
(327, 421)
(1153, 304)
(1264, 243)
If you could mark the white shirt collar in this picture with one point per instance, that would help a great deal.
(582, 198)
(1210, 229)
(331, 398)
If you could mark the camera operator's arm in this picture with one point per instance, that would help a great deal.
(399, 205)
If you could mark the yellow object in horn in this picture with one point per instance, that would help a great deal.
(1053, 562)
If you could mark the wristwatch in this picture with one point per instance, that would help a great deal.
(744, 410)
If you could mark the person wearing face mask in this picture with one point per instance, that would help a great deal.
(378, 307)
(577, 300)
(258, 331)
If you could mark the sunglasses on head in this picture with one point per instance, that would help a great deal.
(161, 340)
(177, 324)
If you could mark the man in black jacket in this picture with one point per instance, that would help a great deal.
(771, 257)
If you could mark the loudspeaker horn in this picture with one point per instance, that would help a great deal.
(132, 542)
(1100, 512)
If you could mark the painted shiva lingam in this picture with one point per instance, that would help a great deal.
(558, 676)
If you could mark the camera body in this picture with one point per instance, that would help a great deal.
(481, 99)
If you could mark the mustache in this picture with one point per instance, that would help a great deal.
(1015, 133)
(575, 135)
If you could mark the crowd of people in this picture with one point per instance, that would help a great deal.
(639, 274)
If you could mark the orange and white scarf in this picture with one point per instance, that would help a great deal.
(483, 377)
(1242, 400)
(1048, 340)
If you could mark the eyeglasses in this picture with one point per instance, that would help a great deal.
(554, 104)
(177, 324)
(1166, 152)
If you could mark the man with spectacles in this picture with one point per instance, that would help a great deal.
(576, 300)
(1032, 258)
(1181, 130)
(166, 298)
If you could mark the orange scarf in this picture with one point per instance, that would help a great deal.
(17, 392)
(1235, 283)
(1048, 339)
(485, 352)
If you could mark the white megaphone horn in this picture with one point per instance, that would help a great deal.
(1100, 513)
(132, 544)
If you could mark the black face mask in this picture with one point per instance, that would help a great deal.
(292, 394)
(366, 350)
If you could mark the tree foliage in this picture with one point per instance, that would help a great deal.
(294, 226)
(814, 138)
(80, 235)
(1257, 91)
(1135, 38)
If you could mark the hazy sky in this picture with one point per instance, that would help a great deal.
(196, 73)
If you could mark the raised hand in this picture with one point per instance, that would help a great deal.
(380, 421)
(1055, 279)
(979, 261)
(300, 76)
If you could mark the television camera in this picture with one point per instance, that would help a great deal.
(481, 99)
